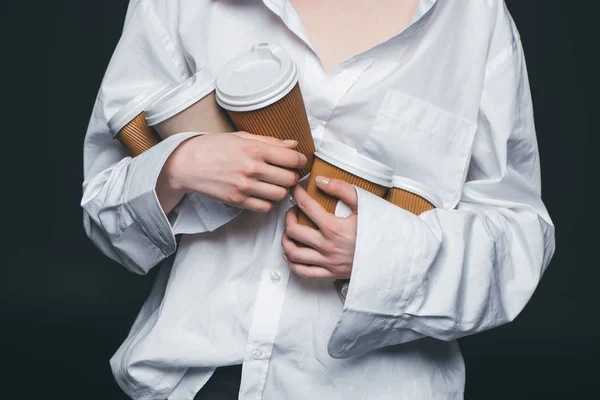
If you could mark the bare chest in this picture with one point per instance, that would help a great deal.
(340, 29)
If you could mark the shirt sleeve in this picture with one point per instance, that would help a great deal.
(451, 273)
(122, 215)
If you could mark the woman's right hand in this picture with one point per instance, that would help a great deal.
(240, 169)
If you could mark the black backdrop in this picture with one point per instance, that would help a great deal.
(64, 308)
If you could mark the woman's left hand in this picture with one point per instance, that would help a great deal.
(331, 248)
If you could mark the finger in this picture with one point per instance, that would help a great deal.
(284, 157)
(301, 233)
(257, 205)
(267, 191)
(340, 189)
(268, 139)
(309, 272)
(276, 175)
(313, 210)
(302, 255)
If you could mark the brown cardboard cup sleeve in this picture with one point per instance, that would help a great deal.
(129, 125)
(412, 196)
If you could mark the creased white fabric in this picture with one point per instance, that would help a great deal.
(445, 103)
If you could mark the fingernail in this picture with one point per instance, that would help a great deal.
(321, 180)
(289, 141)
(285, 258)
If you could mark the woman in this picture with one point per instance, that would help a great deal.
(436, 89)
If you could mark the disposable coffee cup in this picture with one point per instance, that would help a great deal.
(260, 91)
(129, 125)
(189, 107)
(412, 196)
(339, 161)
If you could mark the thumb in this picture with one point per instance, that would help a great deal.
(267, 139)
(340, 189)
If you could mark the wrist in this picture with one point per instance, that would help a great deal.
(172, 176)
(168, 192)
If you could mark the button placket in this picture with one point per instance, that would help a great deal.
(263, 330)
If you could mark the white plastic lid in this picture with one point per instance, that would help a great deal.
(348, 159)
(136, 106)
(180, 97)
(417, 188)
(256, 79)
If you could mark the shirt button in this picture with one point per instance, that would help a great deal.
(257, 354)
(275, 276)
(313, 124)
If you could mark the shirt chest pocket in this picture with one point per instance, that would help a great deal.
(422, 142)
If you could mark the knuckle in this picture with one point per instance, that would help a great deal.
(303, 204)
(291, 230)
(253, 149)
(242, 184)
(234, 198)
(289, 215)
(281, 194)
(255, 152)
(327, 247)
(291, 178)
(302, 160)
(266, 207)
(300, 272)
(252, 169)
(335, 264)
(333, 229)
(293, 254)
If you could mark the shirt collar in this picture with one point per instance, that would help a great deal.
(423, 6)
(285, 11)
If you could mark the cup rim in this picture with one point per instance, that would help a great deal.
(136, 106)
(417, 188)
(347, 158)
(180, 97)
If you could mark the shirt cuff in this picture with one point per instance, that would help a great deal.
(198, 213)
(393, 250)
(141, 201)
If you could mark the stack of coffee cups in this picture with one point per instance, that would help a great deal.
(259, 93)
(129, 126)
(189, 107)
(339, 161)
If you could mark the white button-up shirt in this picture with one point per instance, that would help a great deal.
(446, 102)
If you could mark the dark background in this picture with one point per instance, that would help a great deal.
(64, 308)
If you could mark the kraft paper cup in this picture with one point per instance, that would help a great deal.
(260, 91)
(129, 124)
(339, 161)
(412, 196)
(189, 107)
